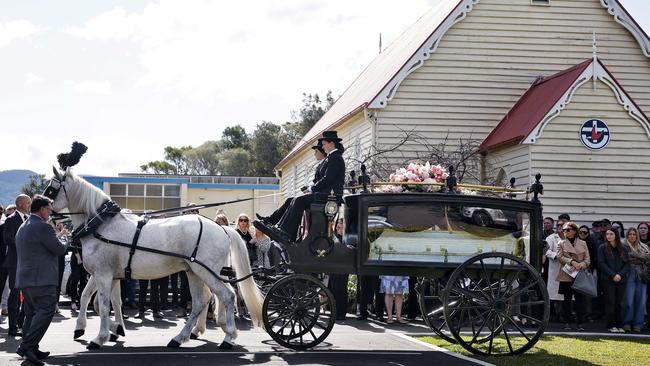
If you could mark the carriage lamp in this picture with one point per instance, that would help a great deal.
(331, 207)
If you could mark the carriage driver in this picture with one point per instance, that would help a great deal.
(332, 179)
(319, 155)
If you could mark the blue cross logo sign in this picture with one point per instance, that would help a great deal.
(594, 134)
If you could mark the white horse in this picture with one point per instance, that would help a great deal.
(174, 235)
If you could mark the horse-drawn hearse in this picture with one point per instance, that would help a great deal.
(476, 259)
(478, 279)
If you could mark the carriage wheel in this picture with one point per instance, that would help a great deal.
(430, 299)
(299, 312)
(496, 304)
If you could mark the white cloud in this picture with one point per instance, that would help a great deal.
(16, 29)
(32, 79)
(101, 87)
(213, 52)
(112, 25)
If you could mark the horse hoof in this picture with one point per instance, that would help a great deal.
(120, 330)
(78, 333)
(92, 346)
(113, 338)
(193, 336)
(173, 344)
(225, 345)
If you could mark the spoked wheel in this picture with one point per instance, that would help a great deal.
(496, 304)
(299, 312)
(430, 299)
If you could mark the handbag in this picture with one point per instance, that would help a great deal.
(585, 284)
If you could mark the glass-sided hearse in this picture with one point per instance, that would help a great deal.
(476, 259)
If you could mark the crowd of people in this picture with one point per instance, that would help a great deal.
(614, 256)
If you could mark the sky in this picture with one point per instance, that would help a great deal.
(129, 77)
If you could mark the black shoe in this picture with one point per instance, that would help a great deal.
(124, 316)
(579, 328)
(30, 356)
(157, 315)
(42, 355)
(567, 326)
(140, 315)
(273, 232)
(265, 219)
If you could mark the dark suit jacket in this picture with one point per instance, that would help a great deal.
(333, 178)
(3, 247)
(38, 252)
(320, 171)
(11, 226)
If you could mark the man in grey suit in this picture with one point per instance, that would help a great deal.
(37, 273)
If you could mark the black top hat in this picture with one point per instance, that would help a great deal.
(319, 147)
(330, 136)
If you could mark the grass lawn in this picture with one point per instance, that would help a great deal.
(568, 351)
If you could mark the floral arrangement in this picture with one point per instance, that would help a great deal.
(417, 173)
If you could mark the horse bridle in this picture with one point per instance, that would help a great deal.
(53, 188)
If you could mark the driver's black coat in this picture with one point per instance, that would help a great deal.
(332, 171)
(332, 180)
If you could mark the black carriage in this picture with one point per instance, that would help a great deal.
(477, 259)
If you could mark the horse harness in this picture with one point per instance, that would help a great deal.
(109, 209)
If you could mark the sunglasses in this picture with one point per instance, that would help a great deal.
(583, 232)
(243, 220)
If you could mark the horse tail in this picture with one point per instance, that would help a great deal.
(247, 288)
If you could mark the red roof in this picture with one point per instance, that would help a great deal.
(528, 112)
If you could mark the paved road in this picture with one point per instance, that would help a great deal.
(362, 343)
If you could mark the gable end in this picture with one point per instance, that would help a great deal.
(625, 19)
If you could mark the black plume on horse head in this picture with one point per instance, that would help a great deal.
(72, 158)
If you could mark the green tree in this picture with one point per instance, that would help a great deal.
(176, 156)
(36, 185)
(265, 152)
(175, 162)
(313, 108)
(158, 167)
(289, 137)
(204, 159)
(234, 137)
(235, 162)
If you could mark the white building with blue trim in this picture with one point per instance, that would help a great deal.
(150, 192)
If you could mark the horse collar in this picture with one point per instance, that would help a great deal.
(107, 210)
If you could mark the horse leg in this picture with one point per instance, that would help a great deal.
(117, 326)
(226, 296)
(200, 323)
(89, 290)
(199, 301)
(221, 313)
(103, 283)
